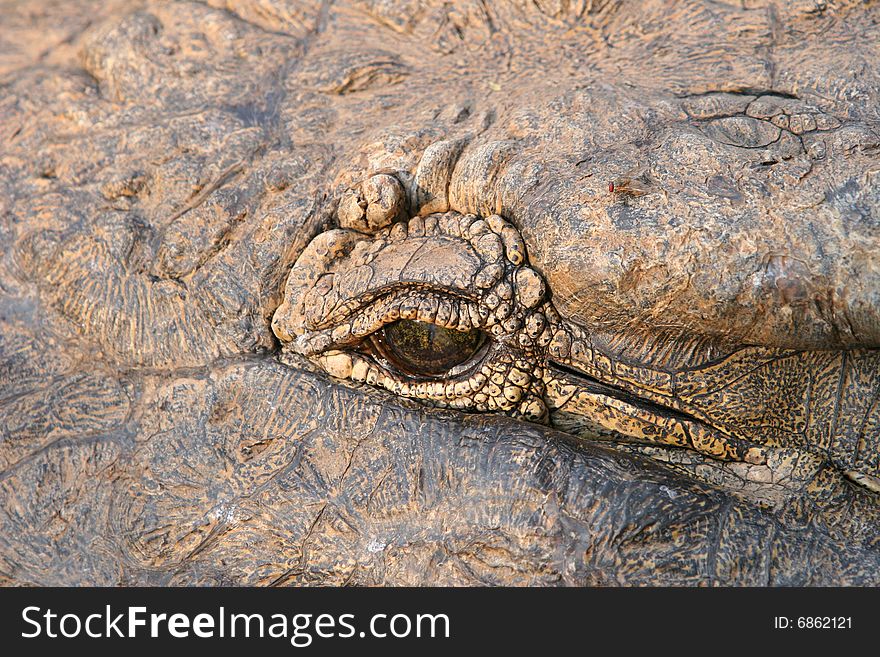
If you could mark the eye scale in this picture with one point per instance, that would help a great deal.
(423, 349)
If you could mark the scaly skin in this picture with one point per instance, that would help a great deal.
(163, 166)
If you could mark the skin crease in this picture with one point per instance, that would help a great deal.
(178, 178)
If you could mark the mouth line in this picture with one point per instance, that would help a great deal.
(593, 385)
(690, 424)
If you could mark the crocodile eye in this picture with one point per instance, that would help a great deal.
(422, 349)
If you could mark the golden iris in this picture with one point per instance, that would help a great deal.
(425, 349)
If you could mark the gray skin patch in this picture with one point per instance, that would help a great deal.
(628, 217)
(857, 205)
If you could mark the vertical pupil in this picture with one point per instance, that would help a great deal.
(427, 349)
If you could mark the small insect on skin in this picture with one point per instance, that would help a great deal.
(629, 187)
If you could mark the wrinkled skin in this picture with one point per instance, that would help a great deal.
(676, 204)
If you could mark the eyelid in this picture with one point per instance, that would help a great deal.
(356, 322)
(397, 290)
(478, 357)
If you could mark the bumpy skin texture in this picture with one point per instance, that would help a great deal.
(456, 271)
(690, 360)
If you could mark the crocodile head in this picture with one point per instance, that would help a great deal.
(440, 293)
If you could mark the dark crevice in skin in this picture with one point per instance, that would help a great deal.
(593, 385)
(742, 91)
(121, 436)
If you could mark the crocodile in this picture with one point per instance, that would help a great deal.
(429, 293)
